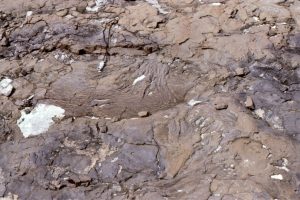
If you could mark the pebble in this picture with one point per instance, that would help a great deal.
(91, 3)
(143, 114)
(62, 13)
(220, 105)
(81, 7)
(240, 71)
(6, 87)
(75, 13)
(249, 103)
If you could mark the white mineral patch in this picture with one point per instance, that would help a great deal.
(39, 119)
(29, 13)
(260, 113)
(114, 40)
(277, 177)
(284, 165)
(276, 122)
(10, 196)
(155, 4)
(216, 4)
(256, 19)
(138, 79)
(193, 102)
(61, 57)
(246, 31)
(6, 87)
(99, 3)
(92, 9)
(100, 66)
(120, 169)
(217, 149)
(100, 21)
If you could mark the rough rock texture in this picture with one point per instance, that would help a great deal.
(219, 81)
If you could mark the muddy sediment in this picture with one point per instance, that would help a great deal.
(150, 99)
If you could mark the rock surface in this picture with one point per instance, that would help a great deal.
(192, 64)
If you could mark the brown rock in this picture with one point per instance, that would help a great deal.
(240, 71)
(4, 41)
(75, 13)
(91, 3)
(62, 13)
(81, 7)
(249, 103)
(220, 104)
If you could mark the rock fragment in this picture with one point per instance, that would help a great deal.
(62, 13)
(91, 4)
(82, 7)
(6, 87)
(220, 104)
(240, 71)
(249, 103)
(143, 113)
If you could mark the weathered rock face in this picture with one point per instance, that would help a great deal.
(150, 99)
